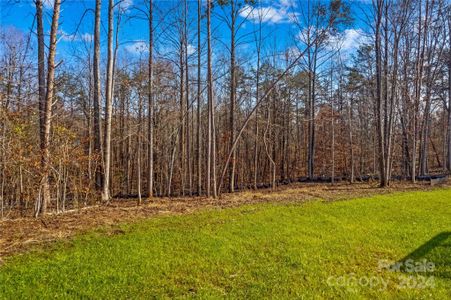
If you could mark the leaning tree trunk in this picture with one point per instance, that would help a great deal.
(271, 160)
(268, 91)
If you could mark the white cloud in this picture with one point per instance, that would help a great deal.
(124, 5)
(191, 49)
(288, 3)
(349, 40)
(85, 37)
(137, 47)
(279, 12)
(65, 36)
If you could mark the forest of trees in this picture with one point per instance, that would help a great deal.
(211, 100)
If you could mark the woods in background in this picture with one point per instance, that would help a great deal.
(210, 101)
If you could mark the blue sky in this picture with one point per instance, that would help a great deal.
(277, 16)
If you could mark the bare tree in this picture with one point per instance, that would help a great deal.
(188, 166)
(108, 105)
(199, 92)
(449, 91)
(378, 106)
(211, 154)
(169, 141)
(41, 67)
(45, 144)
(258, 42)
(150, 104)
(97, 98)
(234, 7)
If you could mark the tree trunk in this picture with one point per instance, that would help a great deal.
(271, 160)
(211, 154)
(257, 90)
(351, 144)
(187, 104)
(232, 99)
(41, 82)
(150, 118)
(138, 146)
(45, 145)
(97, 99)
(41, 68)
(332, 179)
(378, 104)
(421, 45)
(268, 91)
(182, 113)
(108, 105)
(199, 121)
(449, 94)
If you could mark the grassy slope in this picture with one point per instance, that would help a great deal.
(265, 250)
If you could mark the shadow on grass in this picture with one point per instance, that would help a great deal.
(437, 251)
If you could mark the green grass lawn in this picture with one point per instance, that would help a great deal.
(315, 249)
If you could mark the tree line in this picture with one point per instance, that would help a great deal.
(211, 101)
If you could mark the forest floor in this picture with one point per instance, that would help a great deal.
(393, 246)
(20, 234)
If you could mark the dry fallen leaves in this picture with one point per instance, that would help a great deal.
(19, 234)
